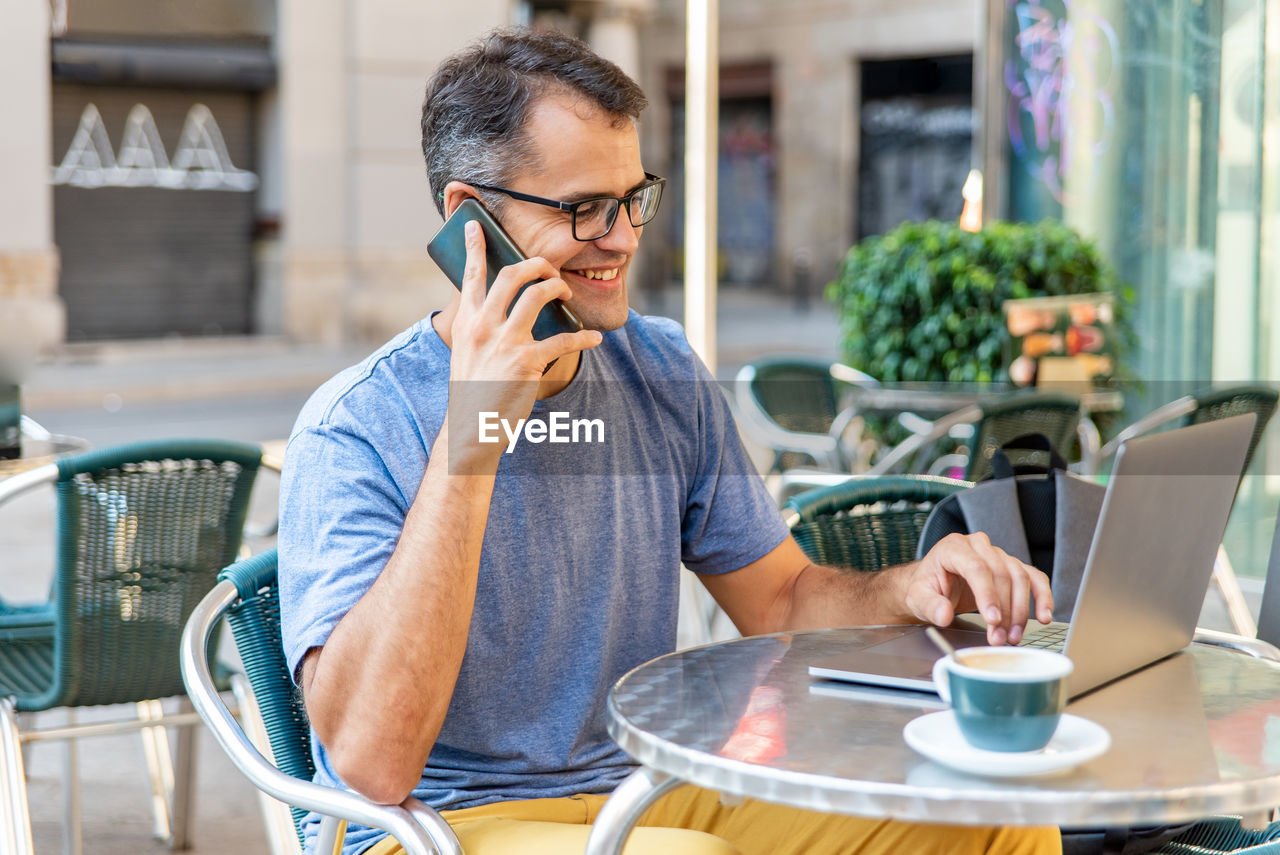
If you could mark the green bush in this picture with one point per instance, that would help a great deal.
(923, 302)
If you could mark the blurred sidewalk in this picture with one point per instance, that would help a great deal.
(88, 375)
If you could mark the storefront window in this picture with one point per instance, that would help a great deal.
(1146, 125)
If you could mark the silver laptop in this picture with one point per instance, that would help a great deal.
(1162, 519)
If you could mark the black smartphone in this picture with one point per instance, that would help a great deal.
(449, 250)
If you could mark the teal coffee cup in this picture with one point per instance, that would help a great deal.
(1004, 698)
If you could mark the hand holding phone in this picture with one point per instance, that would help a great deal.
(449, 250)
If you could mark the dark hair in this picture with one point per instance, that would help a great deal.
(477, 103)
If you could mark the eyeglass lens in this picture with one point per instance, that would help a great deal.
(593, 219)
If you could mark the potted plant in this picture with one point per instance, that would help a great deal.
(924, 301)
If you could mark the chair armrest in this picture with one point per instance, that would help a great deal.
(1159, 416)
(417, 827)
(852, 376)
(27, 622)
(793, 482)
(937, 430)
(1090, 447)
(20, 483)
(1255, 647)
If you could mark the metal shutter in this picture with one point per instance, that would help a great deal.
(141, 261)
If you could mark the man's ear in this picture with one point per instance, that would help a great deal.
(455, 193)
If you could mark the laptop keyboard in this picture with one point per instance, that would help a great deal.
(1046, 638)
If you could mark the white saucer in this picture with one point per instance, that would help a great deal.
(937, 736)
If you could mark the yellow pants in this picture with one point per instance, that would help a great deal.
(692, 821)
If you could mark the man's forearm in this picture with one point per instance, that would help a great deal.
(824, 596)
(377, 692)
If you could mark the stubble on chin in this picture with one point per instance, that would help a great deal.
(603, 319)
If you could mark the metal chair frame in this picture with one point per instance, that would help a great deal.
(418, 828)
(827, 449)
(969, 421)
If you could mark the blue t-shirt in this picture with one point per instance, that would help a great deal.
(579, 570)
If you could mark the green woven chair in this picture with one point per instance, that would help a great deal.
(988, 426)
(792, 405)
(276, 757)
(867, 523)
(1224, 834)
(1208, 405)
(1057, 416)
(142, 531)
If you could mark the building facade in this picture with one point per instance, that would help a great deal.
(252, 166)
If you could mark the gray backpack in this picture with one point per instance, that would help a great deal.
(1037, 512)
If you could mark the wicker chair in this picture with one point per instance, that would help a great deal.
(867, 523)
(792, 405)
(142, 530)
(994, 423)
(1223, 834)
(1209, 405)
(1206, 405)
(247, 593)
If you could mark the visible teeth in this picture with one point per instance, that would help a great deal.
(605, 275)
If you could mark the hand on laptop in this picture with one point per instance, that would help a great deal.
(964, 572)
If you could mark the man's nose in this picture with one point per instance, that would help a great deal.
(623, 237)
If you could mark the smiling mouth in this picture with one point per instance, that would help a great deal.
(603, 275)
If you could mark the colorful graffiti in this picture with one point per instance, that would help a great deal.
(1063, 61)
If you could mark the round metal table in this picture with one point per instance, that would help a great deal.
(1194, 735)
(37, 451)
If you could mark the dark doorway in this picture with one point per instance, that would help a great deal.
(916, 139)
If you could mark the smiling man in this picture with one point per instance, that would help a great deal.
(455, 609)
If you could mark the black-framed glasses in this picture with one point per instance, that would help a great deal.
(593, 218)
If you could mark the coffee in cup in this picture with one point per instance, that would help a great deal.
(1004, 698)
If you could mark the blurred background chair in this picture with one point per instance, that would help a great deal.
(980, 429)
(142, 531)
(792, 405)
(867, 523)
(273, 747)
(1202, 406)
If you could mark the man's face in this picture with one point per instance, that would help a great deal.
(582, 155)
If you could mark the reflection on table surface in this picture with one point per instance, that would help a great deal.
(1193, 735)
(38, 447)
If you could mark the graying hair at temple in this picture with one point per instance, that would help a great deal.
(477, 103)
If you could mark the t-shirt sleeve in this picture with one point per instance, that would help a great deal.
(730, 520)
(341, 515)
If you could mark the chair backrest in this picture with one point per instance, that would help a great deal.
(1229, 401)
(866, 523)
(1052, 414)
(255, 625)
(797, 392)
(1269, 612)
(143, 530)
